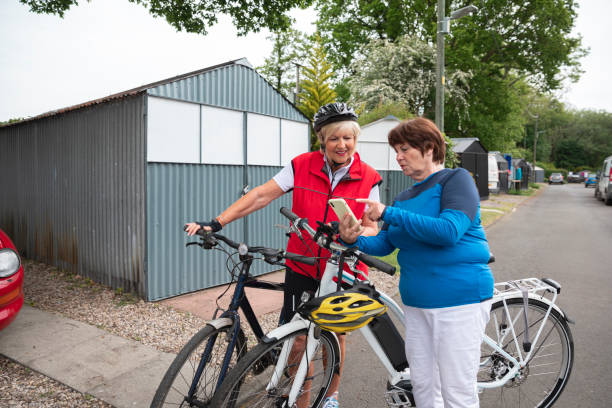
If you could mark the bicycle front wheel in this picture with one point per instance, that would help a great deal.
(248, 385)
(540, 382)
(207, 349)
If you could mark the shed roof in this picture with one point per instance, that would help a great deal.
(467, 144)
(143, 88)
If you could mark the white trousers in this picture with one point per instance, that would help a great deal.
(443, 350)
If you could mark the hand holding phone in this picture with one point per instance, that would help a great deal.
(341, 208)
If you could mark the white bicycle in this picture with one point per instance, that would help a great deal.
(518, 368)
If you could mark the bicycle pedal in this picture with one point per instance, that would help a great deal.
(400, 395)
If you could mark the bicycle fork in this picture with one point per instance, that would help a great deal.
(206, 355)
(311, 345)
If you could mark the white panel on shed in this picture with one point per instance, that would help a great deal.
(374, 154)
(173, 131)
(294, 140)
(263, 140)
(222, 136)
(393, 161)
(378, 131)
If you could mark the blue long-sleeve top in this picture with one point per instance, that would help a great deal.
(443, 250)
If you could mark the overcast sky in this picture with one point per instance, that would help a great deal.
(109, 46)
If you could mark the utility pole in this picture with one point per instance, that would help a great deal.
(443, 28)
(297, 83)
(535, 141)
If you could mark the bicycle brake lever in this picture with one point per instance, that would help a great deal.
(192, 243)
(294, 229)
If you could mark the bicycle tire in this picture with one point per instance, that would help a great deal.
(174, 386)
(246, 384)
(542, 380)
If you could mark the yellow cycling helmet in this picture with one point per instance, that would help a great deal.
(344, 311)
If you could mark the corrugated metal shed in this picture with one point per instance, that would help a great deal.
(73, 192)
(80, 193)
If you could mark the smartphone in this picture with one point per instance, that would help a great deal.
(340, 207)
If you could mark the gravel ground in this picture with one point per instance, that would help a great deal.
(153, 324)
(22, 387)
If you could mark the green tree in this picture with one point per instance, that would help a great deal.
(315, 88)
(196, 16)
(508, 47)
(522, 37)
(568, 138)
(289, 47)
(347, 25)
(403, 72)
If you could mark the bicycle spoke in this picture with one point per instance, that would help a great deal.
(537, 380)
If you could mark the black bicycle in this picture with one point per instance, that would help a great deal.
(200, 367)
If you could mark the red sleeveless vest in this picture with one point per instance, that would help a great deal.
(312, 189)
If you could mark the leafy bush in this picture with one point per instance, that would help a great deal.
(402, 112)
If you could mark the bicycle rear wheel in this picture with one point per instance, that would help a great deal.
(173, 391)
(542, 380)
(246, 384)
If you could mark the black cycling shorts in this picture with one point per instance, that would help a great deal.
(295, 285)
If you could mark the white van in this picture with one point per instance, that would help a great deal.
(493, 174)
(603, 189)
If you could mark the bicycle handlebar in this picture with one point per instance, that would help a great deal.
(334, 246)
(271, 255)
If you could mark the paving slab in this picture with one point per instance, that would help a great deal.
(203, 303)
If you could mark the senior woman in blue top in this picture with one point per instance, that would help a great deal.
(445, 283)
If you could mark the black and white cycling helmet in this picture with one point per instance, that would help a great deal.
(333, 112)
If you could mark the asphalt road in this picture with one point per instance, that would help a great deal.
(563, 233)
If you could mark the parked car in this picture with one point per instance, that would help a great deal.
(603, 190)
(573, 177)
(591, 180)
(11, 281)
(583, 175)
(555, 178)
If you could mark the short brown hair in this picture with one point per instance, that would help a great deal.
(421, 134)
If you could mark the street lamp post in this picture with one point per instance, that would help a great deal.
(443, 28)
(535, 141)
(536, 133)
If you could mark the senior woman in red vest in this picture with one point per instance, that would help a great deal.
(335, 171)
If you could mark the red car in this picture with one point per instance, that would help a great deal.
(11, 281)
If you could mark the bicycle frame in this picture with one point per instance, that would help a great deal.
(231, 316)
(503, 291)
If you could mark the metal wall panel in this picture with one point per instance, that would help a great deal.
(180, 193)
(177, 194)
(394, 182)
(265, 227)
(72, 191)
(235, 87)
